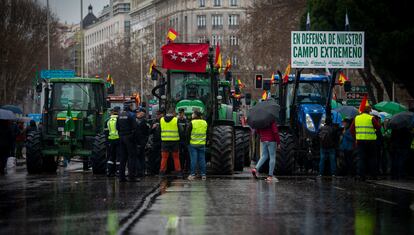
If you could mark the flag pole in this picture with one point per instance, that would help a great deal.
(142, 77)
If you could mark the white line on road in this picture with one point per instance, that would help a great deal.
(339, 188)
(386, 201)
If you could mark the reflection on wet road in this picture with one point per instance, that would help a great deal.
(292, 206)
(67, 203)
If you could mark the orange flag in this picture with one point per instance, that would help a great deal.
(364, 103)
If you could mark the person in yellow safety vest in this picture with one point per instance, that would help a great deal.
(170, 140)
(363, 129)
(197, 130)
(113, 140)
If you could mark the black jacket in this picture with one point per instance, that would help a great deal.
(142, 131)
(126, 124)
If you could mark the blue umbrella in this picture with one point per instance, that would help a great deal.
(15, 109)
(347, 111)
(7, 115)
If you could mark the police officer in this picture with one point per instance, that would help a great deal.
(364, 131)
(141, 136)
(182, 125)
(170, 139)
(113, 140)
(126, 126)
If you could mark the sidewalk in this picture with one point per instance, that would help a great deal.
(407, 184)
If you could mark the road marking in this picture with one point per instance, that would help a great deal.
(139, 211)
(386, 201)
(339, 188)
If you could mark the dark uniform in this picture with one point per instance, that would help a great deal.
(184, 155)
(126, 126)
(141, 137)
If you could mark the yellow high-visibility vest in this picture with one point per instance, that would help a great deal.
(113, 132)
(198, 132)
(364, 129)
(169, 130)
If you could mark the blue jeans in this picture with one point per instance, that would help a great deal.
(324, 154)
(197, 155)
(268, 150)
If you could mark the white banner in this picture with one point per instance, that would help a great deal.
(316, 49)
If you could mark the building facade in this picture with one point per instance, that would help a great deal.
(111, 26)
(217, 21)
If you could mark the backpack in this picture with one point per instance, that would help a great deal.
(326, 137)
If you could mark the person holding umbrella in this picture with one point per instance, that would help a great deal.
(269, 141)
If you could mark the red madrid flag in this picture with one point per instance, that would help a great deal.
(187, 57)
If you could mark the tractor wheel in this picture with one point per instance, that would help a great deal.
(34, 156)
(285, 157)
(222, 150)
(49, 164)
(247, 148)
(98, 157)
(239, 154)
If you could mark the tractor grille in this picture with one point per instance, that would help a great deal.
(316, 117)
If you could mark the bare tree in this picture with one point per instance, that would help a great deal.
(23, 40)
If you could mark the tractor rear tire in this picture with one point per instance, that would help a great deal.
(239, 154)
(247, 148)
(34, 156)
(49, 164)
(285, 158)
(222, 150)
(98, 157)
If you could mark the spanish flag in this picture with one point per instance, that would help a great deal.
(272, 78)
(286, 74)
(342, 78)
(152, 65)
(172, 35)
(239, 83)
(218, 61)
(109, 81)
(364, 103)
(264, 95)
(228, 65)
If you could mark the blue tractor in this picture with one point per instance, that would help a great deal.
(305, 104)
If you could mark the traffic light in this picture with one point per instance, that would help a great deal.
(266, 85)
(259, 81)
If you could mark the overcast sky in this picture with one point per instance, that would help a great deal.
(69, 10)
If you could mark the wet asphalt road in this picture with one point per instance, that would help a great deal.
(76, 202)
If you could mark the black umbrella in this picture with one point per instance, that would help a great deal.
(402, 120)
(262, 114)
(347, 111)
(13, 108)
(7, 115)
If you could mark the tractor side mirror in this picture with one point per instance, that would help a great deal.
(248, 98)
(39, 87)
(347, 86)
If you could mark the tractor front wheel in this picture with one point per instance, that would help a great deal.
(247, 148)
(285, 157)
(222, 150)
(98, 157)
(239, 155)
(34, 156)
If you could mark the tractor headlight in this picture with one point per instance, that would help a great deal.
(309, 123)
(323, 119)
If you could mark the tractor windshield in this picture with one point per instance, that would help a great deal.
(312, 92)
(190, 86)
(80, 96)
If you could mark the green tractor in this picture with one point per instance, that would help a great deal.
(84, 99)
(211, 96)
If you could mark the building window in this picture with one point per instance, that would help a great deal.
(233, 20)
(234, 60)
(202, 3)
(233, 3)
(217, 21)
(201, 21)
(216, 39)
(234, 41)
(202, 39)
(217, 3)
